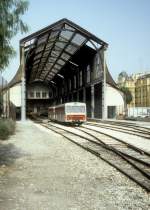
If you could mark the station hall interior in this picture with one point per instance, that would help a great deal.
(63, 63)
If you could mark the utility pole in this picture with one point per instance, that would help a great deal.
(92, 101)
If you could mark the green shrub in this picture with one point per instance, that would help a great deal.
(7, 127)
(11, 126)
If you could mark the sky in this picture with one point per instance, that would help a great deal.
(123, 24)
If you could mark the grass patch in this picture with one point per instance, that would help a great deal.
(7, 128)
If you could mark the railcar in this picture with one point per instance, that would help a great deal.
(72, 112)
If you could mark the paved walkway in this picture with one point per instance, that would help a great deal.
(39, 170)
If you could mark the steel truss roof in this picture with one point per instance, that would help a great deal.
(54, 46)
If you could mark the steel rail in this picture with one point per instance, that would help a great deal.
(123, 124)
(147, 188)
(122, 141)
(124, 128)
(140, 151)
(120, 130)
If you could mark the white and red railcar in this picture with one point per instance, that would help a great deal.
(72, 112)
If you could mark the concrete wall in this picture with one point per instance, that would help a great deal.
(12, 102)
(15, 95)
(114, 97)
(38, 88)
(38, 103)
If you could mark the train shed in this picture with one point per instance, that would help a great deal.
(63, 63)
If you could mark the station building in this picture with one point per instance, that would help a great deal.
(63, 63)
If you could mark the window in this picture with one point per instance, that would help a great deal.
(38, 94)
(31, 94)
(44, 95)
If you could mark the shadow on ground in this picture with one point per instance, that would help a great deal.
(9, 153)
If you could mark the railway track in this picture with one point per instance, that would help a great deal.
(120, 144)
(122, 124)
(129, 160)
(135, 125)
(132, 130)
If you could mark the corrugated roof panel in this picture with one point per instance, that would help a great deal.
(69, 27)
(56, 66)
(61, 62)
(78, 39)
(65, 56)
(60, 44)
(42, 39)
(37, 56)
(66, 34)
(71, 49)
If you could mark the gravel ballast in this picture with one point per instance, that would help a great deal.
(40, 170)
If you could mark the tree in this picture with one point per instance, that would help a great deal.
(1, 104)
(127, 93)
(122, 77)
(10, 24)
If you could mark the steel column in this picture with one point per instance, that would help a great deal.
(92, 101)
(84, 94)
(104, 105)
(78, 96)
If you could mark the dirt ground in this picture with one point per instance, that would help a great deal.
(39, 170)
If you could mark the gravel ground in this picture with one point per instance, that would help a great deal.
(39, 170)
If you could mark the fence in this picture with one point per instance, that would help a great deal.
(139, 112)
(7, 109)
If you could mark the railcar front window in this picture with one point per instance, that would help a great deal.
(75, 109)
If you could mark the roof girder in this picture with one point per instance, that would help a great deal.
(53, 43)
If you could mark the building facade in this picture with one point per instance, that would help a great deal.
(139, 86)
